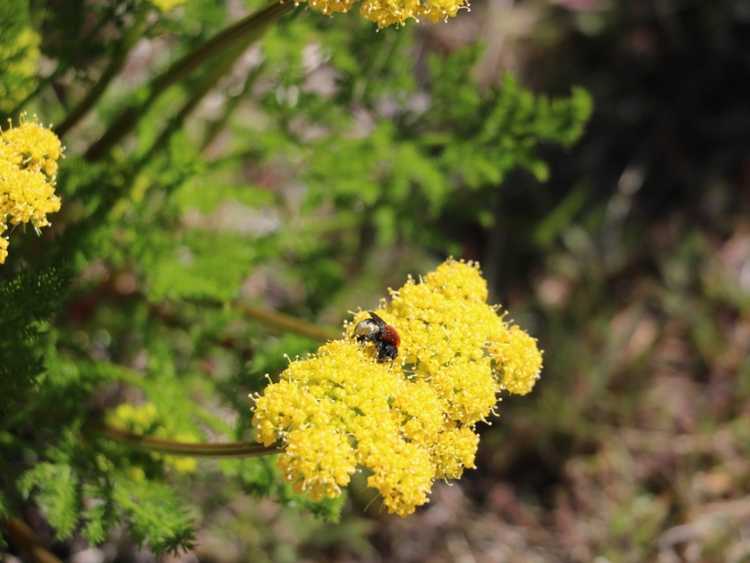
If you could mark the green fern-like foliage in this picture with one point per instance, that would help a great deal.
(56, 491)
(27, 302)
(413, 162)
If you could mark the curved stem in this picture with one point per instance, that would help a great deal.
(288, 323)
(202, 88)
(62, 67)
(251, 26)
(119, 57)
(217, 126)
(231, 449)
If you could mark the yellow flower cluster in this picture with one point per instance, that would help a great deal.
(28, 169)
(167, 5)
(144, 419)
(394, 12)
(406, 422)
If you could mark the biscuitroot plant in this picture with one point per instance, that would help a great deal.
(405, 422)
(411, 420)
(221, 203)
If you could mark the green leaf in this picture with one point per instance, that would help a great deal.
(55, 489)
(156, 516)
(196, 264)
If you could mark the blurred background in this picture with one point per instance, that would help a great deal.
(620, 240)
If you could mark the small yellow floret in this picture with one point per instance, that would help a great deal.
(403, 476)
(329, 7)
(418, 411)
(167, 5)
(393, 12)
(519, 360)
(441, 10)
(318, 461)
(458, 280)
(28, 169)
(389, 12)
(410, 421)
(31, 146)
(3, 245)
(468, 387)
(181, 464)
(455, 451)
(134, 418)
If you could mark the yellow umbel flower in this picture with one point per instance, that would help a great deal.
(410, 421)
(394, 12)
(28, 169)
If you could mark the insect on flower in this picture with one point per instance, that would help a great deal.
(381, 334)
(408, 423)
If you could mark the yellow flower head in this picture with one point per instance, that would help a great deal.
(440, 10)
(318, 461)
(406, 422)
(28, 169)
(394, 12)
(519, 360)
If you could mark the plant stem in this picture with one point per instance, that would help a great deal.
(251, 26)
(232, 449)
(213, 130)
(204, 86)
(119, 57)
(25, 538)
(288, 323)
(63, 67)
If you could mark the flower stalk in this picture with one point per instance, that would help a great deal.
(249, 28)
(119, 57)
(204, 86)
(63, 67)
(171, 447)
(287, 323)
(409, 421)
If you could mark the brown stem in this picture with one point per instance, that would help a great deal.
(212, 77)
(25, 538)
(232, 449)
(217, 126)
(63, 67)
(110, 72)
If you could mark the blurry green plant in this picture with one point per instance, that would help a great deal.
(19, 53)
(325, 150)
